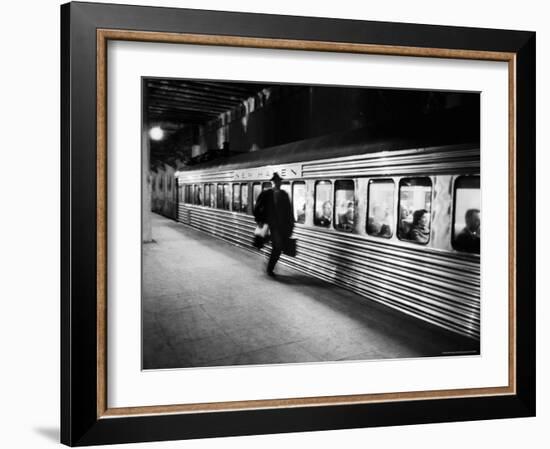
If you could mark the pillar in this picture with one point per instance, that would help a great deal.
(146, 227)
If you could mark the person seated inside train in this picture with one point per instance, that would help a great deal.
(324, 218)
(469, 238)
(345, 220)
(378, 225)
(420, 229)
(301, 214)
(405, 221)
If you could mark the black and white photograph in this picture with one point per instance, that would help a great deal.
(257, 225)
(295, 223)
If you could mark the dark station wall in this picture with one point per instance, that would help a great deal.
(303, 113)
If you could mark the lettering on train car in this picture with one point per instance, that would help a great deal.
(285, 171)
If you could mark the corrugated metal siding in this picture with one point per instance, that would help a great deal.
(436, 286)
(400, 162)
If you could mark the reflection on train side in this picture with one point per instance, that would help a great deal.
(338, 203)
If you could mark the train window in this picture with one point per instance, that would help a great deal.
(212, 195)
(256, 189)
(191, 194)
(161, 182)
(236, 197)
(344, 205)
(219, 197)
(198, 194)
(323, 205)
(226, 196)
(266, 185)
(244, 198)
(380, 211)
(467, 214)
(299, 201)
(286, 187)
(207, 195)
(415, 198)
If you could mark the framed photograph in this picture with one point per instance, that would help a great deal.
(273, 224)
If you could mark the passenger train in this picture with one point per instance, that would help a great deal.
(397, 221)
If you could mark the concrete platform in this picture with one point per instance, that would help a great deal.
(207, 302)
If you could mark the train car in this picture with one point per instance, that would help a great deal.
(394, 221)
(164, 192)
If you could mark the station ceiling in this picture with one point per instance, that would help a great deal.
(185, 102)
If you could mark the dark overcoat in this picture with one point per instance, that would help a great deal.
(280, 220)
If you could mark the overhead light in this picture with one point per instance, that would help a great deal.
(156, 133)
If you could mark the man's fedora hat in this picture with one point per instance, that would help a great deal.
(276, 177)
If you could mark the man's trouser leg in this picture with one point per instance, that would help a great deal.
(276, 249)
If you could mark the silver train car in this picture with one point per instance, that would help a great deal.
(384, 219)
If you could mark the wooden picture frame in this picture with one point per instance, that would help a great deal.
(86, 29)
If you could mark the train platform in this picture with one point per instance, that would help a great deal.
(207, 302)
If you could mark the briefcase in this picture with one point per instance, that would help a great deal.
(261, 236)
(290, 248)
(258, 242)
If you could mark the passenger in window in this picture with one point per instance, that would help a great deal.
(378, 223)
(469, 238)
(346, 219)
(324, 219)
(420, 229)
(301, 214)
(405, 221)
